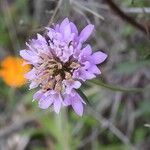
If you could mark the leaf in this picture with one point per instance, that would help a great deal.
(127, 68)
(83, 96)
(117, 88)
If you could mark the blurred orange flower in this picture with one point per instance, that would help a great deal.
(12, 71)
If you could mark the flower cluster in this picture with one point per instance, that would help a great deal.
(60, 63)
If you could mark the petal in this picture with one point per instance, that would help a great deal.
(77, 105)
(44, 103)
(31, 74)
(85, 54)
(89, 75)
(76, 84)
(87, 50)
(94, 69)
(57, 102)
(30, 47)
(67, 32)
(57, 27)
(86, 32)
(86, 64)
(70, 85)
(73, 28)
(64, 23)
(83, 74)
(79, 74)
(38, 95)
(26, 54)
(67, 100)
(33, 85)
(41, 38)
(29, 56)
(98, 57)
(57, 105)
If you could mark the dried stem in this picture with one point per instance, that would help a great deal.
(127, 18)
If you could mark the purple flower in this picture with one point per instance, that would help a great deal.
(61, 61)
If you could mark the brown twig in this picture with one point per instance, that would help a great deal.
(129, 19)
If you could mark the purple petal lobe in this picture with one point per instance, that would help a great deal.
(72, 84)
(94, 69)
(44, 103)
(26, 54)
(67, 100)
(57, 102)
(67, 32)
(31, 74)
(77, 105)
(57, 105)
(86, 32)
(38, 95)
(64, 23)
(85, 53)
(83, 74)
(29, 56)
(76, 84)
(87, 50)
(74, 28)
(89, 75)
(33, 85)
(99, 57)
(41, 38)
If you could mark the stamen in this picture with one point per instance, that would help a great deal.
(58, 86)
(74, 65)
(67, 75)
(51, 72)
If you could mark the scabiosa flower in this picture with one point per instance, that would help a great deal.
(61, 61)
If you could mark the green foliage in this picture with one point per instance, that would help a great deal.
(139, 134)
(114, 147)
(128, 68)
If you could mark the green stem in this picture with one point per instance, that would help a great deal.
(62, 125)
(117, 88)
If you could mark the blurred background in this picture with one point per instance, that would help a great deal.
(117, 114)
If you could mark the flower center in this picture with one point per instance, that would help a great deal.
(51, 72)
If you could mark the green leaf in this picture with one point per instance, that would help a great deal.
(117, 88)
(127, 68)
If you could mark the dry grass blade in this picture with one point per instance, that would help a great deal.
(81, 6)
(81, 13)
(107, 124)
(55, 12)
(137, 10)
(66, 7)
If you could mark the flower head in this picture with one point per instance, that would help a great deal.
(60, 63)
(13, 72)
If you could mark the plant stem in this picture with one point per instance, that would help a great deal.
(62, 125)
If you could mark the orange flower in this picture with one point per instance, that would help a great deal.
(13, 72)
